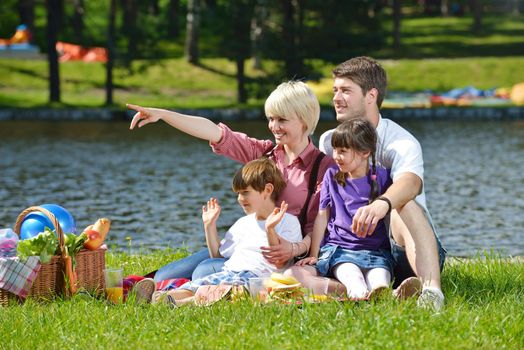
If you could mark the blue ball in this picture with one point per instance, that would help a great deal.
(35, 222)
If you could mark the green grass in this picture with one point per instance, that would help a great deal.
(484, 310)
(174, 83)
(437, 53)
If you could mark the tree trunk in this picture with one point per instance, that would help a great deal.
(515, 7)
(476, 7)
(397, 15)
(172, 18)
(242, 12)
(53, 12)
(26, 9)
(78, 21)
(130, 15)
(192, 31)
(241, 81)
(257, 31)
(154, 7)
(291, 36)
(444, 8)
(110, 53)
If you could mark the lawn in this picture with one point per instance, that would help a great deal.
(173, 83)
(484, 310)
(437, 53)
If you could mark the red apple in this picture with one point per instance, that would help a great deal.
(94, 240)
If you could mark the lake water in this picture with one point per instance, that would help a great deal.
(152, 182)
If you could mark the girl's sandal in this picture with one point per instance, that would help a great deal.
(377, 293)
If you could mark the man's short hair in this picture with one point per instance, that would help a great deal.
(294, 97)
(366, 73)
(257, 174)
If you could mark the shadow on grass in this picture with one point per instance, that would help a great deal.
(27, 72)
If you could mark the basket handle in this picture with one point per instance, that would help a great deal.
(50, 216)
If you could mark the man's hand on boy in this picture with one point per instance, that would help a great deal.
(210, 211)
(276, 216)
(310, 260)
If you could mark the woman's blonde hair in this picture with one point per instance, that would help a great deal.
(257, 174)
(294, 97)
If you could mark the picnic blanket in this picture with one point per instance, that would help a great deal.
(17, 276)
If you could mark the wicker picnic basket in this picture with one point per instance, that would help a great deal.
(50, 281)
(5, 296)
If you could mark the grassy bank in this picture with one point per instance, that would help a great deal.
(484, 310)
(173, 83)
(436, 53)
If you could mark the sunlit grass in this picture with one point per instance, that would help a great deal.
(177, 84)
(437, 53)
(484, 303)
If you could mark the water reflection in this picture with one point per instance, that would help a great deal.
(152, 182)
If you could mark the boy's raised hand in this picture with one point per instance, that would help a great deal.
(276, 216)
(142, 116)
(210, 211)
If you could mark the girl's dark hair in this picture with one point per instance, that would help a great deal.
(358, 135)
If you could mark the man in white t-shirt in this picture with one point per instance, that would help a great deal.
(359, 88)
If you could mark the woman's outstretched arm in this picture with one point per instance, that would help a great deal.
(199, 127)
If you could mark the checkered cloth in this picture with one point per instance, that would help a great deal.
(17, 276)
(222, 277)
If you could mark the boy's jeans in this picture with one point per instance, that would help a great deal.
(194, 266)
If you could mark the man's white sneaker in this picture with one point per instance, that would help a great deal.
(431, 298)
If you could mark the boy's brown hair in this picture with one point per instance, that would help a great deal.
(257, 174)
(366, 73)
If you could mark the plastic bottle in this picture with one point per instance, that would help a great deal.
(8, 243)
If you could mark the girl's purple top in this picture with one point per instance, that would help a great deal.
(344, 203)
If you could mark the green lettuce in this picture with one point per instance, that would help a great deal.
(43, 245)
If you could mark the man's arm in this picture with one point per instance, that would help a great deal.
(405, 188)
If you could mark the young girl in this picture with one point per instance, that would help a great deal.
(362, 263)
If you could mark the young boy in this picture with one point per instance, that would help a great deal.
(258, 185)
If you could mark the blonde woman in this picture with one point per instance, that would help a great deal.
(292, 111)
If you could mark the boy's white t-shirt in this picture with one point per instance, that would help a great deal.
(397, 150)
(243, 241)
